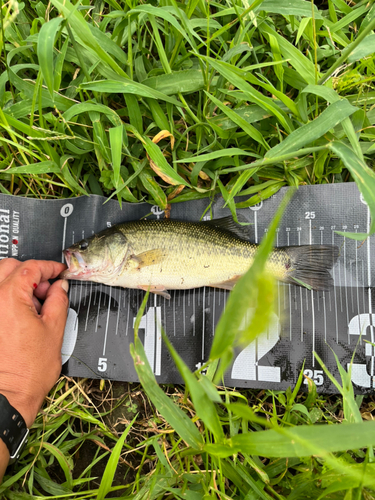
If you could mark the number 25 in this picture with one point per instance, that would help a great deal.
(309, 215)
(316, 376)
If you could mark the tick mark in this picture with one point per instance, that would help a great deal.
(35, 285)
(15, 242)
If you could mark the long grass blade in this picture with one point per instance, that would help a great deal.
(46, 42)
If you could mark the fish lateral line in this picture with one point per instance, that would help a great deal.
(174, 255)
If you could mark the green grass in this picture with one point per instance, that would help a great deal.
(167, 102)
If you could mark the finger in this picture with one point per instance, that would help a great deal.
(37, 304)
(55, 308)
(41, 291)
(7, 266)
(29, 274)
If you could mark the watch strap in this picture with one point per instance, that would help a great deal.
(13, 429)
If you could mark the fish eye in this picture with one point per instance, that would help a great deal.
(83, 245)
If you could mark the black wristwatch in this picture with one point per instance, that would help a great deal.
(13, 429)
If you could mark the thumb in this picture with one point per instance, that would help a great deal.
(55, 308)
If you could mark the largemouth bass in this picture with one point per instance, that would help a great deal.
(162, 255)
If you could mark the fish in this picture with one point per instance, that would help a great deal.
(162, 255)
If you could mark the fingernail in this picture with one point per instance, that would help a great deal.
(65, 285)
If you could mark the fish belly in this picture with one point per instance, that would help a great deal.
(182, 274)
(188, 261)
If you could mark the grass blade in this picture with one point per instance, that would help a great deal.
(304, 67)
(361, 173)
(250, 130)
(46, 41)
(312, 131)
(84, 33)
(187, 81)
(115, 139)
(203, 404)
(130, 87)
(290, 8)
(42, 167)
(301, 441)
(160, 165)
(180, 422)
(109, 472)
(86, 107)
(64, 463)
(252, 94)
(227, 331)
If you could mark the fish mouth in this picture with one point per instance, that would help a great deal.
(77, 267)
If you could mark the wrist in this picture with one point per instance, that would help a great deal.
(24, 409)
(27, 405)
(4, 458)
(13, 429)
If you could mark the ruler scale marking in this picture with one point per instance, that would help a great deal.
(335, 295)
(174, 313)
(312, 305)
(63, 240)
(183, 314)
(278, 282)
(194, 312)
(351, 284)
(213, 313)
(88, 308)
(118, 311)
(127, 317)
(356, 272)
(340, 289)
(203, 323)
(80, 299)
(107, 322)
(346, 287)
(363, 281)
(325, 322)
(97, 314)
(289, 294)
(369, 290)
(324, 296)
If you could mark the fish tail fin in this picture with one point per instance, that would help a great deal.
(310, 265)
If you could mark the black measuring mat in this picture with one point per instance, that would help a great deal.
(100, 323)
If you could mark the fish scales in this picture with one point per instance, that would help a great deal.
(166, 255)
(193, 255)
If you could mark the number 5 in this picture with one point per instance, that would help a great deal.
(102, 364)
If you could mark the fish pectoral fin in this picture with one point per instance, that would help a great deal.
(148, 258)
(156, 289)
(227, 285)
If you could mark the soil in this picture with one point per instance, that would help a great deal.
(122, 402)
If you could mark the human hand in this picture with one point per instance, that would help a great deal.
(31, 334)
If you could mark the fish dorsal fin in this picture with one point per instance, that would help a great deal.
(147, 258)
(228, 224)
